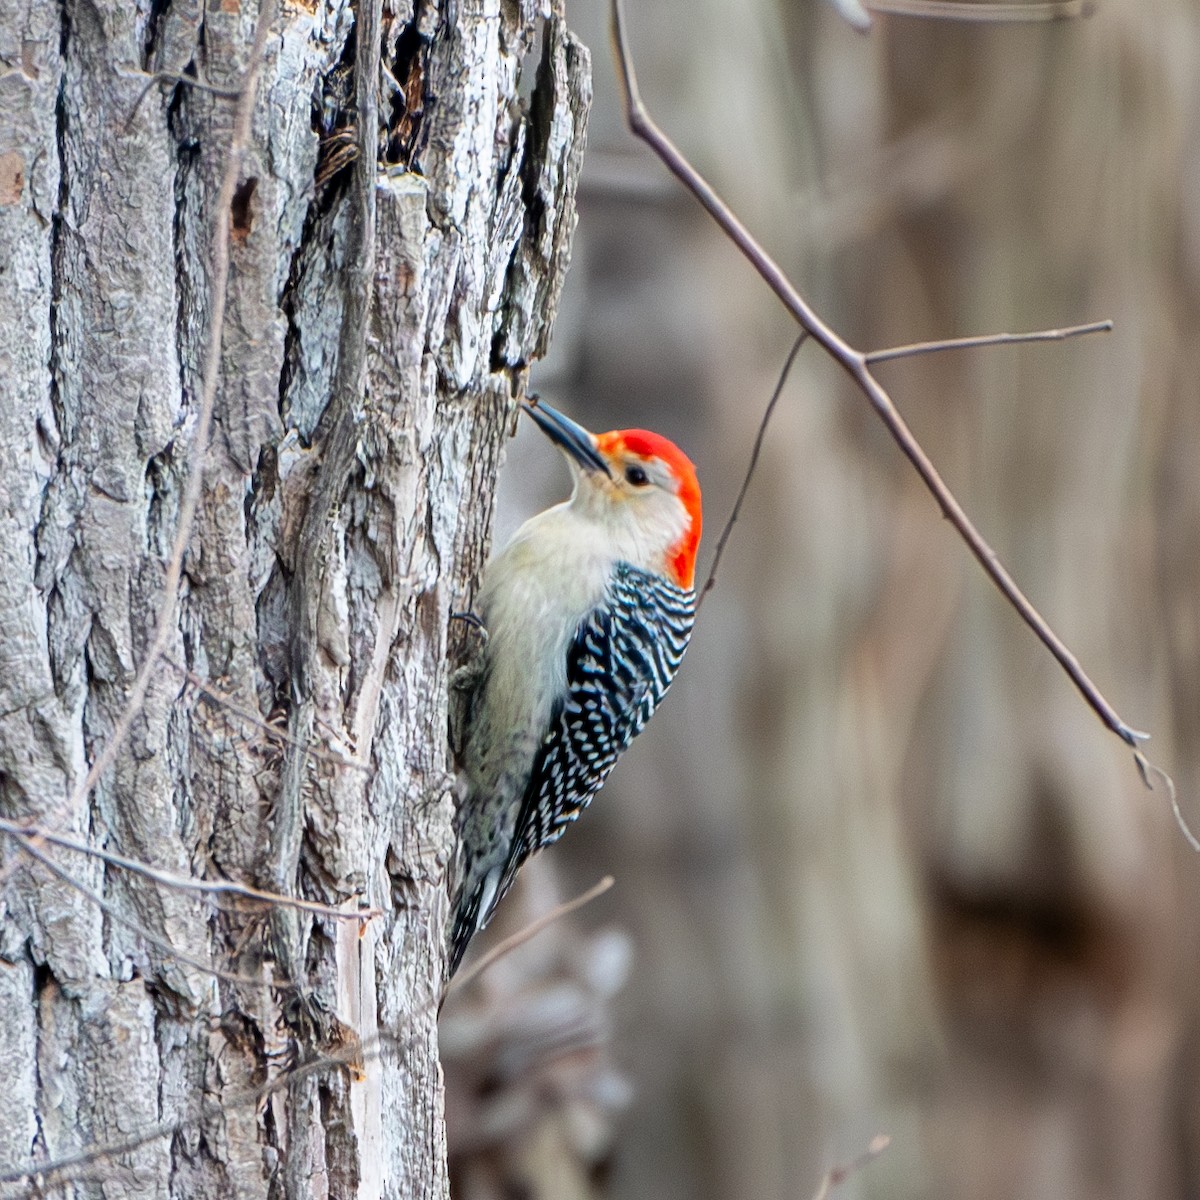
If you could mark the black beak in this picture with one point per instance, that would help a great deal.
(572, 438)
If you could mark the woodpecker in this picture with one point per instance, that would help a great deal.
(587, 613)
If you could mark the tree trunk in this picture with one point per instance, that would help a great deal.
(400, 230)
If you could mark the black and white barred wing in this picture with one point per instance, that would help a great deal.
(619, 667)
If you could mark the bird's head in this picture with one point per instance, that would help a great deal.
(638, 486)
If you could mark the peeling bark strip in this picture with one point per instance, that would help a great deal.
(378, 327)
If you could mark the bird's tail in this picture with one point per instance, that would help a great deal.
(476, 903)
(466, 925)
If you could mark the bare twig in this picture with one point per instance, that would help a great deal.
(1000, 13)
(225, 701)
(758, 444)
(199, 449)
(183, 883)
(531, 930)
(201, 85)
(38, 1180)
(836, 1176)
(176, 78)
(988, 339)
(28, 845)
(1147, 769)
(855, 363)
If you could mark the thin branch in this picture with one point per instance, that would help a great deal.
(531, 930)
(28, 846)
(176, 78)
(758, 445)
(1147, 769)
(184, 883)
(224, 701)
(988, 339)
(39, 1178)
(999, 13)
(836, 1176)
(198, 452)
(199, 84)
(854, 362)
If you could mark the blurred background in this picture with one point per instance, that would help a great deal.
(878, 868)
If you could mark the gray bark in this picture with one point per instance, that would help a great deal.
(380, 322)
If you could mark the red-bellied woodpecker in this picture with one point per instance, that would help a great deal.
(588, 611)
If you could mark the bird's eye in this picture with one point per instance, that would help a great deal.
(636, 476)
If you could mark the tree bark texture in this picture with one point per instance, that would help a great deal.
(400, 231)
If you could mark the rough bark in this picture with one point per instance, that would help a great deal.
(383, 308)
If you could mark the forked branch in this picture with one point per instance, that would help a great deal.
(857, 365)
